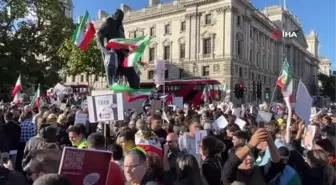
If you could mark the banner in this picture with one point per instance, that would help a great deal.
(77, 166)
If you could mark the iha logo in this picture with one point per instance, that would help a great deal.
(278, 34)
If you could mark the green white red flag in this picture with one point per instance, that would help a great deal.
(285, 81)
(122, 43)
(205, 95)
(17, 87)
(37, 98)
(18, 98)
(130, 93)
(84, 33)
(134, 58)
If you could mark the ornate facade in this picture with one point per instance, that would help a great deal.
(325, 66)
(227, 40)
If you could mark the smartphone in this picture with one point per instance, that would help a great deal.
(261, 125)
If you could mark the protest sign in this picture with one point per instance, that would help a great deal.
(77, 166)
(220, 123)
(200, 134)
(264, 117)
(105, 107)
(81, 118)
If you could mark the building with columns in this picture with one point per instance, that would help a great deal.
(324, 66)
(227, 40)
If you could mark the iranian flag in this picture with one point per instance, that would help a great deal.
(134, 58)
(37, 98)
(132, 94)
(84, 33)
(285, 81)
(205, 95)
(18, 98)
(121, 43)
(18, 87)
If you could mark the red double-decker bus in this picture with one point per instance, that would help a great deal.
(191, 89)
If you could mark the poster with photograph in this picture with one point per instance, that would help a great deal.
(77, 166)
(105, 107)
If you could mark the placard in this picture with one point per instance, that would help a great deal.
(220, 123)
(105, 107)
(200, 134)
(81, 118)
(264, 117)
(77, 166)
(155, 105)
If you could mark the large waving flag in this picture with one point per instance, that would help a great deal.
(132, 94)
(18, 98)
(122, 43)
(18, 87)
(37, 98)
(285, 81)
(84, 33)
(134, 58)
(205, 95)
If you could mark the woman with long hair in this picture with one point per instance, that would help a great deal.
(188, 172)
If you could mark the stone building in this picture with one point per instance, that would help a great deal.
(227, 40)
(325, 66)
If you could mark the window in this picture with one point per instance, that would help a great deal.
(206, 71)
(207, 46)
(252, 76)
(181, 73)
(257, 37)
(82, 78)
(151, 54)
(182, 50)
(96, 78)
(166, 53)
(208, 19)
(150, 75)
(73, 78)
(251, 33)
(238, 20)
(167, 29)
(258, 59)
(87, 77)
(217, 87)
(166, 74)
(183, 26)
(240, 72)
(152, 31)
(239, 48)
(251, 55)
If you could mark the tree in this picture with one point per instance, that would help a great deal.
(328, 85)
(79, 62)
(31, 33)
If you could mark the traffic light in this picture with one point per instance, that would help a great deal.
(267, 94)
(241, 91)
(237, 91)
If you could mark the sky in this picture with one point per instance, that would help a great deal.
(312, 14)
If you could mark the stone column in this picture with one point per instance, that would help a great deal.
(213, 45)
(188, 46)
(228, 31)
(220, 34)
(193, 35)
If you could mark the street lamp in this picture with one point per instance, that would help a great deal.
(194, 68)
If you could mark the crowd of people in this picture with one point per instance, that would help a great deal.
(32, 140)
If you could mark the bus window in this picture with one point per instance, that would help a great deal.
(216, 87)
(198, 87)
(211, 87)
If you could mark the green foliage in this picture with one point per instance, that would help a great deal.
(31, 33)
(328, 85)
(78, 61)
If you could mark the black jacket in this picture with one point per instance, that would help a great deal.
(211, 170)
(13, 134)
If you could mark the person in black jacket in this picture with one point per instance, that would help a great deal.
(212, 165)
(13, 133)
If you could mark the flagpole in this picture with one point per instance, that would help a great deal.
(272, 97)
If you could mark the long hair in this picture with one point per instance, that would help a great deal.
(188, 169)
